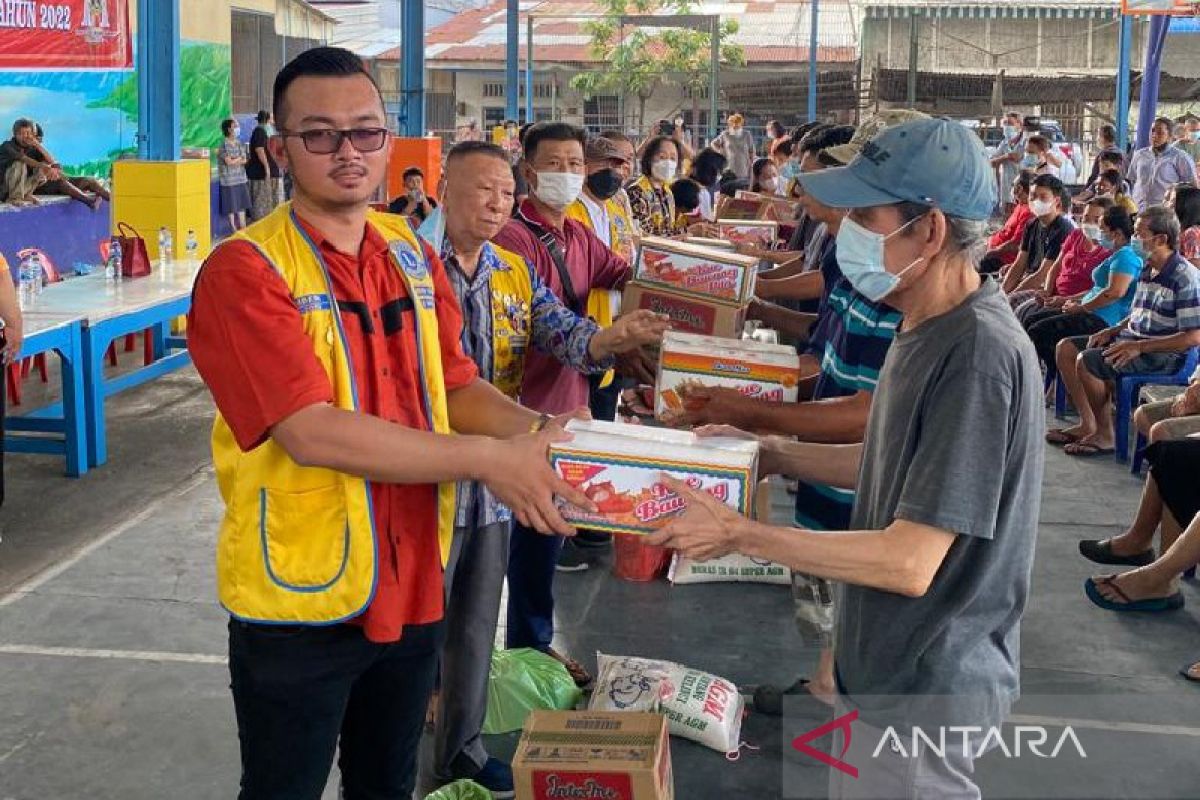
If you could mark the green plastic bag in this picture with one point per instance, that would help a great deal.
(525, 680)
(461, 790)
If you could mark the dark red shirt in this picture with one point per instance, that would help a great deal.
(550, 386)
(246, 338)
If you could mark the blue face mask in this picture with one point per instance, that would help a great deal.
(1106, 242)
(1009, 131)
(1030, 161)
(860, 256)
(789, 170)
(1139, 249)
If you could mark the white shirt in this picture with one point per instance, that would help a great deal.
(707, 212)
(601, 222)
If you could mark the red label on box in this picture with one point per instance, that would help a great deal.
(556, 785)
(684, 316)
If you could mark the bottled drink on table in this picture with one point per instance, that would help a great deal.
(39, 273)
(193, 248)
(25, 279)
(112, 268)
(165, 246)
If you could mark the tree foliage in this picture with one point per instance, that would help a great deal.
(637, 61)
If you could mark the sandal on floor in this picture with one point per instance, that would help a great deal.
(1101, 552)
(1060, 437)
(1191, 671)
(1086, 450)
(1152, 604)
(769, 700)
(576, 670)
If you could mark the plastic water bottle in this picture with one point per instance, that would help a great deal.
(25, 277)
(193, 249)
(113, 267)
(39, 273)
(165, 246)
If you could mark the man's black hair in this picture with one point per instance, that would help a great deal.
(1056, 186)
(801, 131)
(327, 62)
(707, 167)
(20, 124)
(263, 116)
(825, 137)
(687, 195)
(411, 171)
(551, 132)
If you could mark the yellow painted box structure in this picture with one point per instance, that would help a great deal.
(150, 194)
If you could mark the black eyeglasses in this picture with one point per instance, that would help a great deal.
(325, 141)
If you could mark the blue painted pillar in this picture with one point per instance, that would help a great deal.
(1124, 69)
(158, 80)
(812, 60)
(1160, 24)
(512, 66)
(412, 43)
(529, 68)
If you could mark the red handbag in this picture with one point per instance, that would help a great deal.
(135, 260)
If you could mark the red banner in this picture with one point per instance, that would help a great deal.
(65, 34)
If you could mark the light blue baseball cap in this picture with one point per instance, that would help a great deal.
(932, 161)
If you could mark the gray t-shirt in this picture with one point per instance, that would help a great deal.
(954, 441)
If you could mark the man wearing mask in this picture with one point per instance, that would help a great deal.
(934, 571)
(507, 311)
(737, 145)
(1044, 236)
(572, 261)
(1157, 168)
(1007, 158)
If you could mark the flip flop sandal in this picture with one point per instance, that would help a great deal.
(1061, 438)
(1191, 671)
(1100, 551)
(1082, 450)
(1152, 604)
(768, 700)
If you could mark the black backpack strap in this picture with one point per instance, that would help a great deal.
(560, 262)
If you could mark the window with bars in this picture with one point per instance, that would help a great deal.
(496, 89)
(601, 113)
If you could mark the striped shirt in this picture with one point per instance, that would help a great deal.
(554, 329)
(857, 335)
(1166, 303)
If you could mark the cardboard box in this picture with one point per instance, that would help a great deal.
(706, 316)
(745, 205)
(755, 369)
(760, 233)
(711, 244)
(695, 270)
(594, 754)
(620, 468)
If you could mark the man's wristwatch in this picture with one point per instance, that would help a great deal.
(540, 423)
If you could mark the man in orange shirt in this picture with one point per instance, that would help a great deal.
(329, 338)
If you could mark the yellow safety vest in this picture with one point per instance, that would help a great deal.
(512, 318)
(298, 544)
(621, 232)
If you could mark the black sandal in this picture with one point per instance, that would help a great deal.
(1100, 551)
(769, 700)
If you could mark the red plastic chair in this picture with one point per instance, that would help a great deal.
(14, 384)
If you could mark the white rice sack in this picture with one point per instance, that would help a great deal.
(699, 706)
(733, 568)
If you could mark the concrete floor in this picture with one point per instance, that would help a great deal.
(113, 684)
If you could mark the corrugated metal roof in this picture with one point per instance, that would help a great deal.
(770, 31)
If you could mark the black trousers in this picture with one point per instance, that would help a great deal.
(1174, 463)
(299, 691)
(1049, 326)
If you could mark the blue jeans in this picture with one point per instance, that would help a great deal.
(532, 558)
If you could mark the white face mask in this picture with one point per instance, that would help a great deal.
(1091, 231)
(664, 170)
(558, 189)
(769, 184)
(1041, 208)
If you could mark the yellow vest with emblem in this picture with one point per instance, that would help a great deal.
(298, 544)
(620, 223)
(512, 315)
